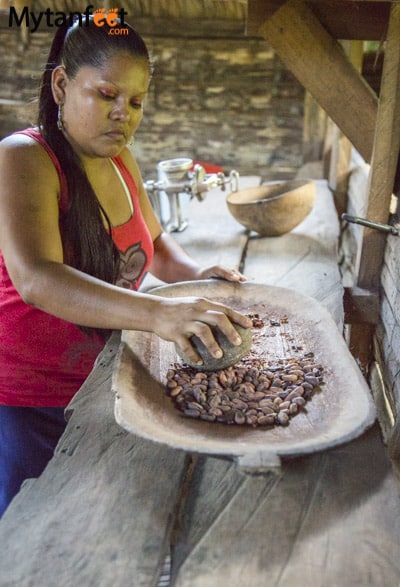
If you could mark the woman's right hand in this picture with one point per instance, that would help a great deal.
(178, 319)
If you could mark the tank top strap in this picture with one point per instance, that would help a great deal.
(127, 177)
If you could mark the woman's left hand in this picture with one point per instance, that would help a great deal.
(220, 273)
(171, 264)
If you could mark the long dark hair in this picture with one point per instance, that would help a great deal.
(88, 246)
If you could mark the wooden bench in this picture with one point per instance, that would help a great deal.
(109, 504)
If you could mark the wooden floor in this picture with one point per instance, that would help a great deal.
(111, 506)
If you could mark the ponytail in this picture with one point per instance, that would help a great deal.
(88, 245)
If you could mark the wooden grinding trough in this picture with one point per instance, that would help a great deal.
(341, 411)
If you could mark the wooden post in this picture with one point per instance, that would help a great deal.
(321, 65)
(341, 146)
(385, 156)
(381, 182)
(314, 129)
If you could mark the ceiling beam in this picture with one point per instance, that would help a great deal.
(322, 67)
(343, 19)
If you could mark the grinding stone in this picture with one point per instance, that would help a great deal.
(232, 354)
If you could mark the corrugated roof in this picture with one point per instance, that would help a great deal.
(208, 9)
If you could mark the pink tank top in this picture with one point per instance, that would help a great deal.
(44, 360)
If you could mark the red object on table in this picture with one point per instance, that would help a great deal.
(208, 167)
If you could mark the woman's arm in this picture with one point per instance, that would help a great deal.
(171, 263)
(31, 245)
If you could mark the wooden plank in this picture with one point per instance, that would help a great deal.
(101, 513)
(351, 234)
(384, 407)
(320, 64)
(360, 306)
(358, 20)
(339, 168)
(385, 157)
(315, 122)
(304, 259)
(353, 20)
(328, 519)
(212, 236)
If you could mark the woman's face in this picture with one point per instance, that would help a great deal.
(102, 107)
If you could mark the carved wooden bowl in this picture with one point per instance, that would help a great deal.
(274, 208)
(341, 412)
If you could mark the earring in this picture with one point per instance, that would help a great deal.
(131, 141)
(60, 122)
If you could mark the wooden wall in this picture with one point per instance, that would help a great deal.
(384, 362)
(387, 337)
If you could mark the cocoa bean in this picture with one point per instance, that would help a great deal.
(282, 418)
(284, 406)
(175, 391)
(250, 393)
(240, 418)
(191, 413)
(266, 420)
(208, 417)
(289, 377)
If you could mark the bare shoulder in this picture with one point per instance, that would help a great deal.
(19, 142)
(23, 158)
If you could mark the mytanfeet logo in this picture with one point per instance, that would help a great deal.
(113, 17)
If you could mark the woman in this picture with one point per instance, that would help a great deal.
(78, 235)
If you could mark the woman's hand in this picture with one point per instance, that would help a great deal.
(220, 273)
(178, 319)
(171, 264)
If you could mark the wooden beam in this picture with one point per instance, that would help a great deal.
(357, 20)
(320, 64)
(385, 157)
(360, 306)
(353, 20)
(314, 129)
(339, 168)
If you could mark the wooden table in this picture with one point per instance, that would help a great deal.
(107, 507)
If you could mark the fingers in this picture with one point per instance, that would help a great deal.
(188, 351)
(233, 275)
(203, 333)
(208, 315)
(222, 273)
(239, 318)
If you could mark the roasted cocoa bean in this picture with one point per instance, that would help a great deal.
(290, 377)
(251, 420)
(249, 393)
(282, 418)
(299, 401)
(314, 381)
(195, 406)
(266, 420)
(208, 417)
(175, 391)
(284, 406)
(191, 413)
(240, 418)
